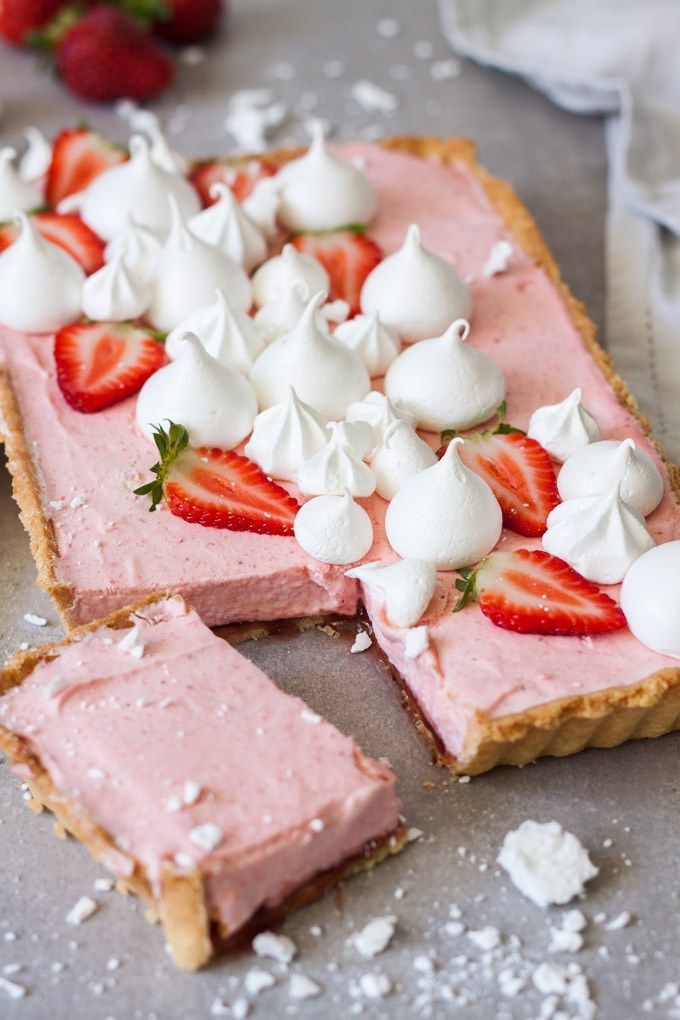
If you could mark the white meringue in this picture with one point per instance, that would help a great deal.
(564, 428)
(36, 160)
(445, 382)
(358, 435)
(596, 467)
(446, 514)
(416, 292)
(262, 205)
(113, 294)
(138, 188)
(229, 335)
(599, 536)
(285, 436)
(320, 191)
(336, 469)
(650, 599)
(334, 529)
(376, 344)
(278, 274)
(214, 403)
(399, 456)
(186, 274)
(379, 411)
(139, 247)
(498, 259)
(40, 284)
(404, 588)
(284, 312)
(162, 153)
(16, 194)
(225, 225)
(324, 372)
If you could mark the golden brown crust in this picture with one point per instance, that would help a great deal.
(604, 718)
(180, 904)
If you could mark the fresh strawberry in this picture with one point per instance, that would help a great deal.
(348, 257)
(106, 55)
(189, 20)
(216, 488)
(18, 18)
(241, 179)
(101, 363)
(69, 232)
(78, 156)
(519, 471)
(532, 592)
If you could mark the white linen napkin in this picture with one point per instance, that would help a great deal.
(620, 58)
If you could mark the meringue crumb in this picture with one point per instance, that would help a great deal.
(274, 947)
(14, 990)
(309, 716)
(82, 910)
(372, 98)
(206, 836)
(416, 641)
(257, 980)
(35, 621)
(361, 642)
(374, 937)
(375, 985)
(545, 862)
(303, 987)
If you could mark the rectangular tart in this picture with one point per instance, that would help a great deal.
(484, 696)
(220, 800)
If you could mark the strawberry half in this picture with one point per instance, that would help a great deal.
(519, 471)
(78, 156)
(241, 179)
(101, 363)
(347, 256)
(69, 232)
(216, 488)
(532, 592)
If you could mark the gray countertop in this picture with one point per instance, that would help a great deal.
(623, 804)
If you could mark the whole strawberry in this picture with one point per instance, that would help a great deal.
(189, 20)
(18, 18)
(106, 55)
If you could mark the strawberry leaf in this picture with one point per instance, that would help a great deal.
(466, 585)
(169, 443)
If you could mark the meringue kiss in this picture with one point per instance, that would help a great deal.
(225, 225)
(404, 588)
(114, 294)
(324, 372)
(399, 456)
(229, 335)
(563, 428)
(277, 275)
(186, 274)
(138, 188)
(139, 247)
(335, 469)
(445, 382)
(40, 284)
(320, 191)
(376, 344)
(213, 402)
(285, 436)
(334, 529)
(446, 514)
(650, 599)
(597, 467)
(416, 293)
(599, 536)
(16, 194)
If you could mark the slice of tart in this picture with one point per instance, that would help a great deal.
(221, 801)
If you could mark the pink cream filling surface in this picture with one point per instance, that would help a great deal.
(111, 549)
(291, 795)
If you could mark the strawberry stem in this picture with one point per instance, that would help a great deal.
(466, 585)
(170, 444)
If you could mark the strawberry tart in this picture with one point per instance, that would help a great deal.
(219, 837)
(351, 377)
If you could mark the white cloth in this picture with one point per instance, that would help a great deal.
(620, 58)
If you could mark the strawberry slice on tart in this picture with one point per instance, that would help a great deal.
(532, 592)
(348, 256)
(241, 179)
(102, 363)
(518, 470)
(78, 156)
(67, 231)
(216, 488)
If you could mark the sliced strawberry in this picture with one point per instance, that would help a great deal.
(216, 488)
(69, 232)
(532, 592)
(78, 156)
(241, 179)
(101, 363)
(519, 471)
(347, 256)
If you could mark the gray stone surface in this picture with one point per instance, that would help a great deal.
(628, 796)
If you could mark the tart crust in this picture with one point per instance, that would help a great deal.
(179, 902)
(603, 718)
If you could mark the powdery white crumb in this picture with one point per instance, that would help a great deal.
(303, 987)
(361, 642)
(375, 985)
(35, 621)
(374, 937)
(12, 988)
(274, 947)
(82, 910)
(256, 980)
(206, 836)
(622, 920)
(546, 863)
(485, 938)
(498, 259)
(372, 98)
(416, 641)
